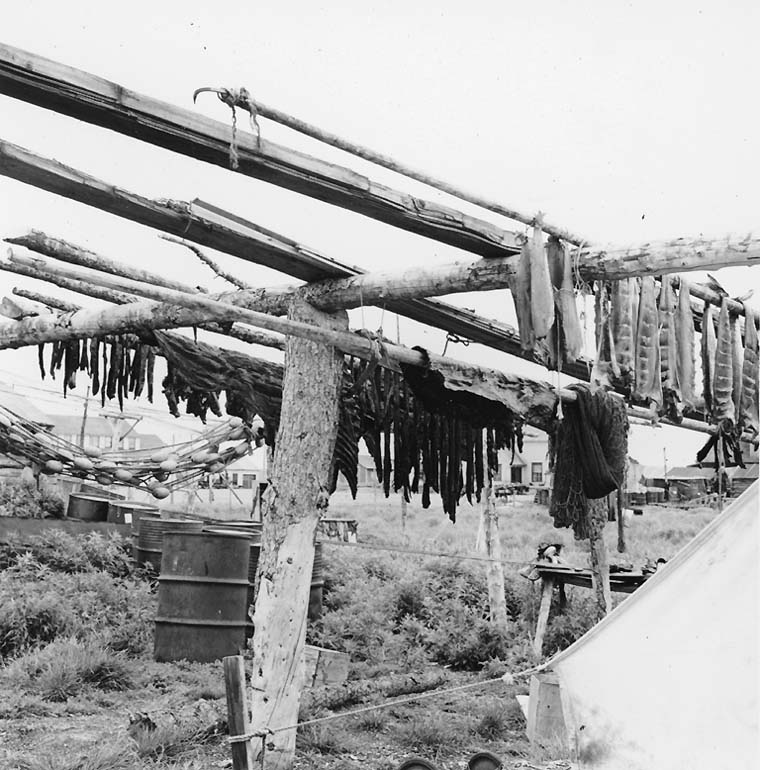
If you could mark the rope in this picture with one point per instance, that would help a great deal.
(414, 551)
(456, 339)
(507, 679)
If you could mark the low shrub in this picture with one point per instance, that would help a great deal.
(492, 724)
(26, 501)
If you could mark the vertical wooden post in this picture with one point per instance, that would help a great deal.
(497, 600)
(403, 515)
(547, 588)
(296, 497)
(237, 711)
(600, 568)
(620, 522)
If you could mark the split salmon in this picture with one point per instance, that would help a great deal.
(622, 325)
(567, 325)
(749, 413)
(648, 386)
(541, 293)
(686, 366)
(605, 371)
(738, 360)
(520, 288)
(671, 391)
(723, 378)
(708, 348)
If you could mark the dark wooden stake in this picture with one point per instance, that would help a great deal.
(237, 711)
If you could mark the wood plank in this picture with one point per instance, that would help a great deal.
(547, 586)
(78, 94)
(237, 711)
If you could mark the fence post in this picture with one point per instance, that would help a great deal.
(237, 711)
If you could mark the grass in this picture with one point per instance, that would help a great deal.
(76, 642)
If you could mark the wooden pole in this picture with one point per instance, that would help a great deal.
(600, 569)
(237, 711)
(497, 600)
(241, 98)
(205, 309)
(298, 496)
(82, 430)
(547, 588)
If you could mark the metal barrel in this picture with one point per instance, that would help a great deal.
(127, 511)
(151, 533)
(202, 592)
(87, 507)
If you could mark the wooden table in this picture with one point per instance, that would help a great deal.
(559, 575)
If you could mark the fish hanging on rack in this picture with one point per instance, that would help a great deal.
(541, 291)
(623, 323)
(648, 385)
(520, 288)
(738, 360)
(671, 390)
(708, 347)
(723, 378)
(605, 370)
(686, 366)
(749, 414)
(565, 340)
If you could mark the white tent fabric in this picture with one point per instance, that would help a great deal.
(669, 679)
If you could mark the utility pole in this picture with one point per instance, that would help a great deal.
(84, 418)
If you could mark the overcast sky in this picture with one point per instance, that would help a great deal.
(624, 122)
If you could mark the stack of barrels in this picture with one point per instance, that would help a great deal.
(206, 585)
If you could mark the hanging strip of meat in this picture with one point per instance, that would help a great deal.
(749, 418)
(738, 360)
(541, 291)
(622, 326)
(41, 359)
(723, 379)
(708, 346)
(520, 287)
(95, 365)
(648, 385)
(149, 372)
(685, 345)
(671, 391)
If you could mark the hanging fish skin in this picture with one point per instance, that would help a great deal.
(738, 359)
(566, 309)
(541, 292)
(149, 373)
(708, 346)
(622, 324)
(520, 288)
(41, 359)
(749, 413)
(686, 365)
(95, 365)
(648, 387)
(605, 371)
(723, 379)
(671, 391)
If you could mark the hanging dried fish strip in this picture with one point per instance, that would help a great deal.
(685, 346)
(749, 416)
(671, 390)
(622, 326)
(648, 385)
(723, 379)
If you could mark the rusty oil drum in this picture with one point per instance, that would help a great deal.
(202, 593)
(151, 533)
(87, 507)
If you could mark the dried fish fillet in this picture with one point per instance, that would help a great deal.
(738, 359)
(707, 348)
(622, 326)
(520, 288)
(671, 391)
(685, 345)
(541, 292)
(571, 324)
(648, 386)
(723, 379)
(749, 412)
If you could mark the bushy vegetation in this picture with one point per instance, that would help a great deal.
(26, 501)
(379, 609)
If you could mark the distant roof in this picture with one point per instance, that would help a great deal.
(24, 408)
(750, 472)
(690, 472)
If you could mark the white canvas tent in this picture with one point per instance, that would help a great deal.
(669, 680)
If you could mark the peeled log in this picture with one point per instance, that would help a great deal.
(298, 497)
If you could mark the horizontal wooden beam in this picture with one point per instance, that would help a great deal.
(69, 91)
(528, 398)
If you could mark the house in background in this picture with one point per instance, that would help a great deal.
(530, 466)
(103, 433)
